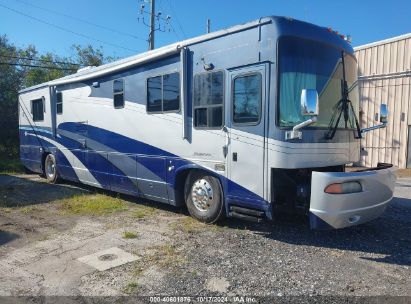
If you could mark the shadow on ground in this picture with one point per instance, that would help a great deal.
(6, 237)
(389, 235)
(23, 191)
(27, 190)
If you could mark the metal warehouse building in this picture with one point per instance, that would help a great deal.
(384, 70)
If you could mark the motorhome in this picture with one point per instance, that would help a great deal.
(251, 121)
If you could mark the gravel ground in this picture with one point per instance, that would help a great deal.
(39, 247)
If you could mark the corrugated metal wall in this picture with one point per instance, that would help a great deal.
(384, 70)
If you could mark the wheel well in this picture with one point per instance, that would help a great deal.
(179, 186)
(43, 159)
(180, 181)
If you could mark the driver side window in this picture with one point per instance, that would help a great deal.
(247, 99)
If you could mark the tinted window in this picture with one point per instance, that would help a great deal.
(217, 88)
(163, 93)
(118, 93)
(171, 92)
(118, 86)
(247, 99)
(215, 117)
(59, 103)
(208, 88)
(200, 117)
(208, 100)
(154, 94)
(202, 89)
(37, 107)
(118, 100)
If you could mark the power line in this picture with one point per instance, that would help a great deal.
(82, 20)
(174, 31)
(37, 66)
(41, 60)
(65, 29)
(176, 17)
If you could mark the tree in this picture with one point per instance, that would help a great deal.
(89, 56)
(10, 82)
(52, 68)
(20, 68)
(57, 67)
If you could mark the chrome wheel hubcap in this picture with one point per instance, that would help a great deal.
(202, 194)
(50, 168)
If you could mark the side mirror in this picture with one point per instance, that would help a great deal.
(383, 119)
(383, 113)
(309, 102)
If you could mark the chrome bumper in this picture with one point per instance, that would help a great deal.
(344, 210)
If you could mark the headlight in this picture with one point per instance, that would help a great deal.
(343, 188)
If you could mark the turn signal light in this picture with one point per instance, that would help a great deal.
(343, 188)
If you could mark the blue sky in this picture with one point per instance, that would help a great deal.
(365, 20)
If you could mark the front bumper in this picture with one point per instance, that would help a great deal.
(329, 211)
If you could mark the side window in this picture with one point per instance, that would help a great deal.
(59, 103)
(163, 93)
(118, 93)
(154, 94)
(171, 92)
(208, 100)
(247, 99)
(37, 109)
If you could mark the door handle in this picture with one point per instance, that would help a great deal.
(235, 156)
(227, 141)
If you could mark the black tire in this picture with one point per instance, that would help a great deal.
(50, 169)
(202, 203)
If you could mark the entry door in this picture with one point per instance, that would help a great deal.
(246, 129)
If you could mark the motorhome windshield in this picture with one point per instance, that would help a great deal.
(305, 64)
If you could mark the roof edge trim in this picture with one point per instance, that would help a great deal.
(146, 56)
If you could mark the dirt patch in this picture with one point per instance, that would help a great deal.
(401, 173)
(219, 285)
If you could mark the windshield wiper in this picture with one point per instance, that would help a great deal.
(343, 108)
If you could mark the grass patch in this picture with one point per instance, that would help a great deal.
(189, 225)
(28, 209)
(130, 287)
(6, 209)
(130, 235)
(142, 211)
(94, 204)
(162, 256)
(165, 256)
(45, 237)
(139, 268)
(10, 165)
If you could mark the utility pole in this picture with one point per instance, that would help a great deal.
(208, 25)
(152, 25)
(162, 24)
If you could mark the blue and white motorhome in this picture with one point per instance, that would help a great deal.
(248, 122)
